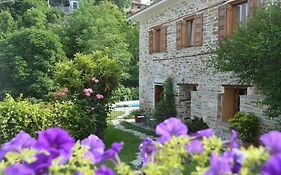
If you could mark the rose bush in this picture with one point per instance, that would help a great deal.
(174, 152)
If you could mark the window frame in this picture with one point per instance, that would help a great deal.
(185, 35)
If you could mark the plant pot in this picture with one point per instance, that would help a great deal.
(137, 120)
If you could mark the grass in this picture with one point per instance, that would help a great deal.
(114, 114)
(131, 144)
(138, 128)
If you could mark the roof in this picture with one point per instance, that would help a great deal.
(152, 9)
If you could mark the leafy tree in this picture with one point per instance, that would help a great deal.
(166, 108)
(34, 17)
(27, 62)
(119, 3)
(253, 54)
(7, 23)
(95, 27)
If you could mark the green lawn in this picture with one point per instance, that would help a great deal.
(114, 114)
(138, 128)
(131, 143)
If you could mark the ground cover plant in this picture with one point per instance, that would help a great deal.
(174, 152)
(132, 126)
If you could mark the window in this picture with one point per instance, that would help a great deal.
(234, 14)
(158, 39)
(158, 93)
(189, 31)
(75, 5)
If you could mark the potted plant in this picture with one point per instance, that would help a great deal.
(247, 127)
(136, 113)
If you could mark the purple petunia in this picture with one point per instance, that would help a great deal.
(18, 169)
(204, 133)
(170, 127)
(195, 146)
(112, 153)
(272, 142)
(234, 142)
(219, 165)
(237, 157)
(20, 141)
(147, 149)
(104, 170)
(96, 147)
(42, 164)
(272, 165)
(57, 142)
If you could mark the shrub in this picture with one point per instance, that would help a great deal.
(123, 93)
(174, 152)
(166, 107)
(136, 112)
(196, 124)
(247, 125)
(89, 81)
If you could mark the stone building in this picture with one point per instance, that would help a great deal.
(177, 39)
(136, 6)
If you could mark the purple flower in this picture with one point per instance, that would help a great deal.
(238, 158)
(195, 146)
(104, 170)
(147, 149)
(205, 133)
(219, 165)
(20, 141)
(96, 147)
(112, 153)
(170, 127)
(272, 165)
(18, 169)
(234, 142)
(57, 142)
(272, 142)
(42, 164)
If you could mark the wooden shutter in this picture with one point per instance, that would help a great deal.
(253, 5)
(150, 45)
(179, 37)
(198, 30)
(222, 20)
(184, 36)
(163, 39)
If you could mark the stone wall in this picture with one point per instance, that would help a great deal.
(188, 65)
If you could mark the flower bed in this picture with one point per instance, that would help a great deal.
(174, 152)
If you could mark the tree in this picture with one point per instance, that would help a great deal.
(253, 53)
(119, 3)
(95, 27)
(7, 23)
(27, 61)
(34, 18)
(166, 108)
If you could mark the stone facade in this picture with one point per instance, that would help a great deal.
(199, 88)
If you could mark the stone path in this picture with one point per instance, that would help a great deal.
(116, 123)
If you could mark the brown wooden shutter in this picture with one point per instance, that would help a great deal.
(179, 37)
(184, 36)
(198, 30)
(163, 39)
(154, 42)
(222, 20)
(150, 45)
(253, 5)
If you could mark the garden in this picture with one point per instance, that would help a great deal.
(62, 73)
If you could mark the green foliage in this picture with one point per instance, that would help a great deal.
(96, 27)
(196, 124)
(123, 93)
(76, 75)
(27, 61)
(119, 3)
(247, 126)
(136, 112)
(33, 18)
(166, 108)
(253, 54)
(7, 23)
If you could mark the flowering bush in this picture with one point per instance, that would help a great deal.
(174, 152)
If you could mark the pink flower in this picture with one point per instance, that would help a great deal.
(65, 90)
(93, 79)
(99, 96)
(61, 94)
(88, 91)
(97, 81)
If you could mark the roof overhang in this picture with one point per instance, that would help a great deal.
(152, 9)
